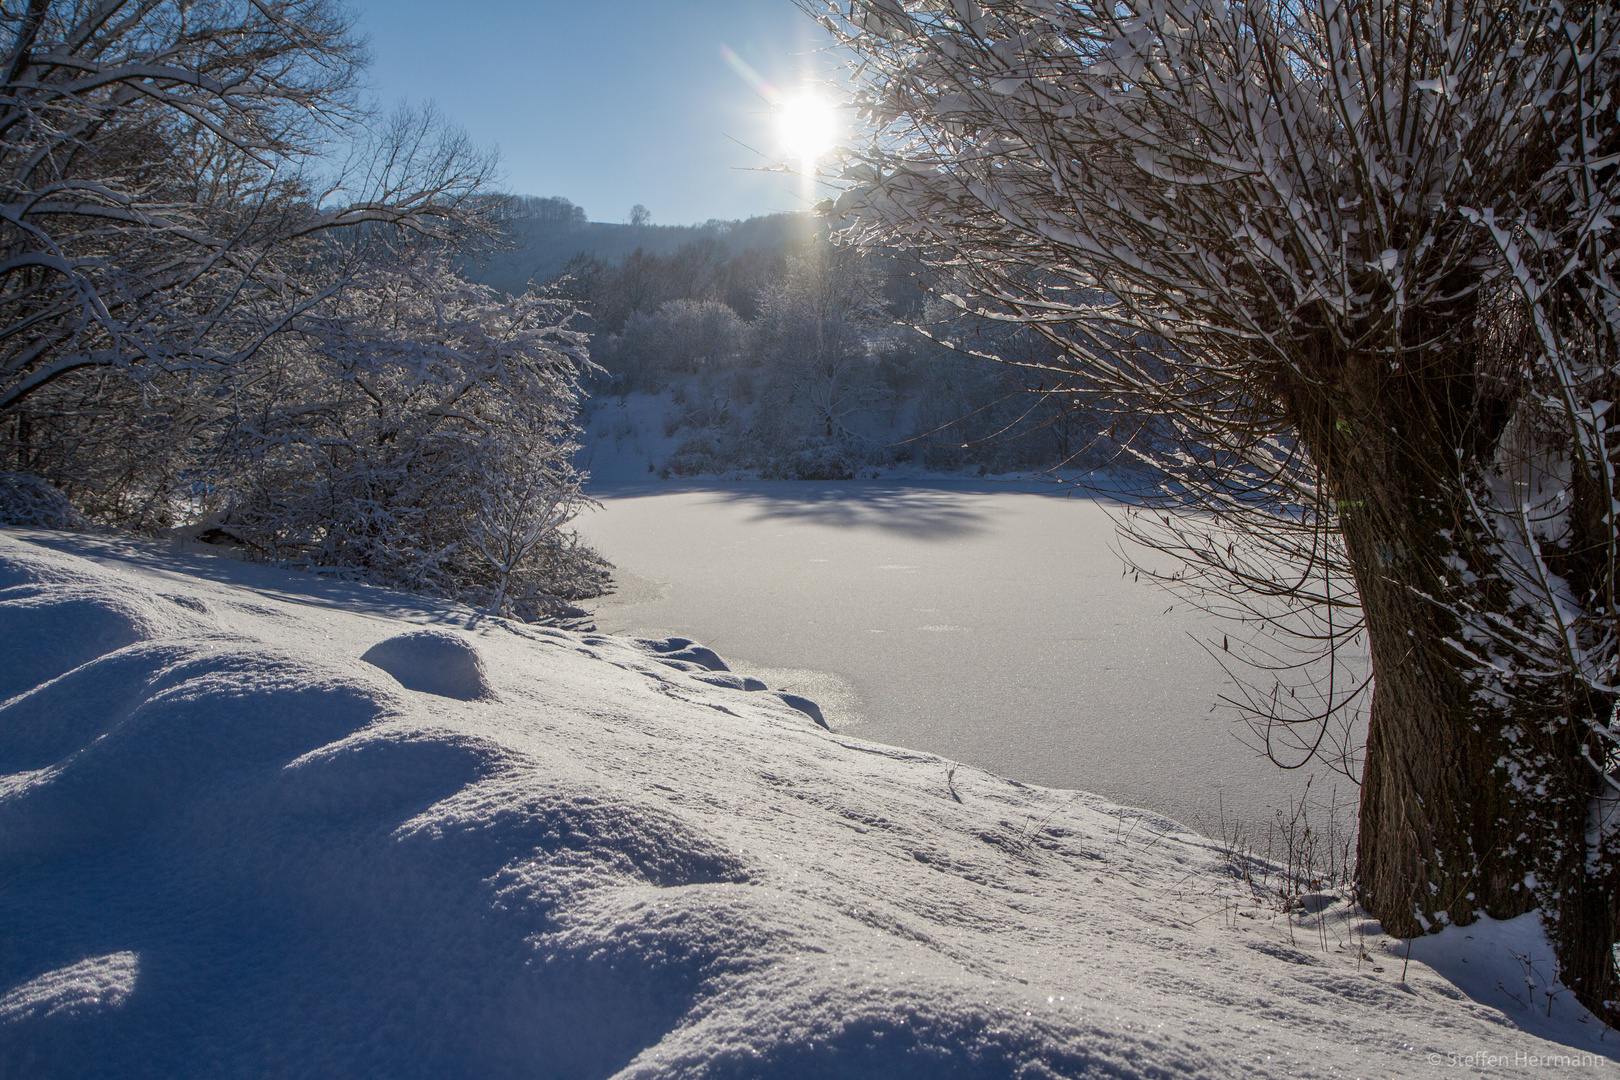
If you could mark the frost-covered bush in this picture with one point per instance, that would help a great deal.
(162, 217)
(680, 337)
(119, 444)
(701, 455)
(814, 328)
(827, 352)
(29, 502)
(814, 459)
(421, 436)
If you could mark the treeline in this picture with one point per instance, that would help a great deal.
(542, 236)
(785, 355)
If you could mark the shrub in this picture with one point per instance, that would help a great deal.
(422, 438)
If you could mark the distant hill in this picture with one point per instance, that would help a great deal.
(543, 234)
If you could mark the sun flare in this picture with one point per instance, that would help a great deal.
(808, 127)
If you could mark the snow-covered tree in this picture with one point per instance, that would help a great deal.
(687, 336)
(162, 187)
(1359, 254)
(420, 433)
(813, 327)
(202, 311)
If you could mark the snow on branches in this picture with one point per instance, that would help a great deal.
(201, 313)
(422, 436)
(1356, 255)
(161, 192)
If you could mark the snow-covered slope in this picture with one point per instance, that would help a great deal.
(258, 825)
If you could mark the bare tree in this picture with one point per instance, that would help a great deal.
(1357, 254)
(814, 324)
(551, 212)
(161, 181)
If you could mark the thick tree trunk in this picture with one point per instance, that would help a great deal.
(1439, 838)
(1472, 803)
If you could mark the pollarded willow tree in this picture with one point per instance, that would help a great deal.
(1358, 255)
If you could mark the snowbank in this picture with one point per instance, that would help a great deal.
(230, 844)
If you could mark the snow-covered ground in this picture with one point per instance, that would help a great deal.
(254, 824)
(988, 623)
(625, 439)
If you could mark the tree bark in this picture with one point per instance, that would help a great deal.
(1472, 803)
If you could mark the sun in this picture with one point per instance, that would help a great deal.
(808, 127)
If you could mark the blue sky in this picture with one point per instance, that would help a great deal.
(607, 102)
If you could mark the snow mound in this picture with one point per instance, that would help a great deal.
(61, 616)
(433, 662)
(99, 982)
(804, 705)
(232, 845)
(679, 650)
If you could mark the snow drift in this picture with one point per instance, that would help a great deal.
(253, 824)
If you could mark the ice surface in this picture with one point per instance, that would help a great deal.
(231, 847)
(988, 623)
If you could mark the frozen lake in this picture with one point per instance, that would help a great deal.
(986, 624)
